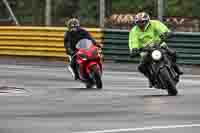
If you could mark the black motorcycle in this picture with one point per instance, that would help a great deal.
(164, 75)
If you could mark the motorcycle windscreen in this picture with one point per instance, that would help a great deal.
(84, 44)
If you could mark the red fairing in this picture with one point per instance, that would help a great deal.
(87, 57)
(98, 64)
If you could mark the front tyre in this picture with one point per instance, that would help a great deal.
(97, 76)
(89, 85)
(169, 82)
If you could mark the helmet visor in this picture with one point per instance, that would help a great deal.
(141, 22)
(74, 28)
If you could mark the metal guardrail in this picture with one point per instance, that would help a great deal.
(48, 42)
(36, 41)
(187, 46)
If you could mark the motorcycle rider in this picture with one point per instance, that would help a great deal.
(145, 31)
(71, 37)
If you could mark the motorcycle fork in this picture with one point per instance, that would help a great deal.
(157, 68)
(155, 74)
(166, 64)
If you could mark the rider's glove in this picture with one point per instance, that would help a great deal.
(164, 36)
(69, 51)
(134, 52)
(99, 45)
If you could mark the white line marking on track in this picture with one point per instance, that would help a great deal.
(141, 129)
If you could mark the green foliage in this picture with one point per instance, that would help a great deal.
(196, 8)
(65, 8)
(133, 6)
(28, 11)
(86, 10)
(3, 11)
(33, 11)
(186, 8)
(180, 7)
(89, 12)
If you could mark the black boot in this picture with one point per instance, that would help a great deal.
(151, 83)
(178, 69)
(76, 77)
(150, 79)
(76, 74)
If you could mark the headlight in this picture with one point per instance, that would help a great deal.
(156, 55)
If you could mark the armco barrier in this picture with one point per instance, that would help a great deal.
(187, 46)
(48, 42)
(36, 41)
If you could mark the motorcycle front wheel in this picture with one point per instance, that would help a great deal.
(97, 76)
(169, 82)
(89, 85)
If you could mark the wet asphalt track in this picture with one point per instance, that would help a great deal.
(45, 99)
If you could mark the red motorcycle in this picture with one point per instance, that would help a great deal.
(89, 64)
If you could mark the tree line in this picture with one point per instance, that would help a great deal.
(32, 11)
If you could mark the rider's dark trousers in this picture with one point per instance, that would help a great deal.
(143, 67)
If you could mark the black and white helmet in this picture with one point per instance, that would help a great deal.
(72, 23)
(141, 17)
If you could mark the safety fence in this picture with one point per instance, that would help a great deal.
(48, 42)
(36, 41)
(187, 46)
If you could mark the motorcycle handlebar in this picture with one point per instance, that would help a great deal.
(149, 48)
